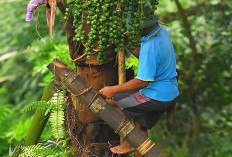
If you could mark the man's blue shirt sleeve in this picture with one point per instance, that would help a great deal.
(147, 64)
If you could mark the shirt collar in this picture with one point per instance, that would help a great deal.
(152, 33)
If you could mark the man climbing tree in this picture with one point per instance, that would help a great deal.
(156, 82)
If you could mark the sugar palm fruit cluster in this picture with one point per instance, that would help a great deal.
(107, 20)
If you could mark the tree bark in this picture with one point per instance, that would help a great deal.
(94, 135)
(73, 45)
(88, 134)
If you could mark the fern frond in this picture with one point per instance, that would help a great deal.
(46, 152)
(57, 120)
(57, 115)
(36, 105)
(38, 151)
(29, 151)
(56, 108)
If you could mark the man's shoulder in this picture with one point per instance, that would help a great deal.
(153, 41)
(157, 39)
(150, 46)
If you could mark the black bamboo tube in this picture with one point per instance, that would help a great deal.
(77, 86)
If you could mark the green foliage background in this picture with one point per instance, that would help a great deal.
(23, 75)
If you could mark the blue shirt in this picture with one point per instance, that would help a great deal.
(157, 64)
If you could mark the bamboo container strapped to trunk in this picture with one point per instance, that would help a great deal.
(95, 102)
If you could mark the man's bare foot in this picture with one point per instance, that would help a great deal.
(122, 148)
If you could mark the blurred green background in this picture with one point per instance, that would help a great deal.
(201, 32)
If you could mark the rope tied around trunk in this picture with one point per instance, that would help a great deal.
(121, 125)
(92, 100)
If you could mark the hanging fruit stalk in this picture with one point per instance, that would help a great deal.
(107, 22)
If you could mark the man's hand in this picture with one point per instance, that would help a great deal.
(132, 85)
(107, 91)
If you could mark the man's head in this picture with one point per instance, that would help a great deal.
(147, 30)
(149, 22)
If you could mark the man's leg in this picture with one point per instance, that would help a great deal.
(125, 147)
(113, 103)
(146, 111)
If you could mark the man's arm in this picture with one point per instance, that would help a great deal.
(132, 85)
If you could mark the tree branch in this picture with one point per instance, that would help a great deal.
(195, 10)
(5, 78)
(192, 42)
(9, 55)
(190, 71)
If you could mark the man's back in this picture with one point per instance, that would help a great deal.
(158, 65)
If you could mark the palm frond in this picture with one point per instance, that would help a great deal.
(36, 105)
(30, 150)
(38, 150)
